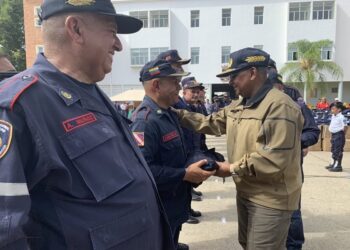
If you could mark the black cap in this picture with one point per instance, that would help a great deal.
(190, 83)
(244, 59)
(275, 78)
(126, 24)
(159, 69)
(172, 56)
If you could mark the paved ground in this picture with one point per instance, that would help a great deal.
(325, 208)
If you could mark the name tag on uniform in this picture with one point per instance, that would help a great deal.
(170, 136)
(78, 121)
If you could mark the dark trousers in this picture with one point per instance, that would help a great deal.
(338, 143)
(176, 235)
(295, 239)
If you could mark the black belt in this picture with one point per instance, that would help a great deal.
(340, 132)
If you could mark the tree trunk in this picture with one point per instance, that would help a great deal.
(305, 93)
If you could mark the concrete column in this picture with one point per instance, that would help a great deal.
(340, 90)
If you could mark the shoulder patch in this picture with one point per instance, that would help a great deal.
(5, 137)
(12, 88)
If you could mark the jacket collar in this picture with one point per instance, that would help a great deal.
(65, 87)
(259, 96)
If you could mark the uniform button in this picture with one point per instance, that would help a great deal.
(105, 130)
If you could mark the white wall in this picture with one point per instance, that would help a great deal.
(274, 34)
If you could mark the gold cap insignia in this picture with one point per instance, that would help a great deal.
(230, 63)
(251, 59)
(80, 2)
(66, 95)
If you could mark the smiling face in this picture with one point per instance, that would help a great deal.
(241, 82)
(169, 88)
(101, 42)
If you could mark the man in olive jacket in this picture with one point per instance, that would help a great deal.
(263, 146)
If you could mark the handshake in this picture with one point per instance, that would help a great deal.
(201, 170)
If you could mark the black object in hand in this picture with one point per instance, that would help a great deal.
(210, 166)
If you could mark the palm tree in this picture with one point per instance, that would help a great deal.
(309, 67)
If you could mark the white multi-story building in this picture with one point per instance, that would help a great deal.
(207, 31)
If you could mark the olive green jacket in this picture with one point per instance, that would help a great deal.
(263, 139)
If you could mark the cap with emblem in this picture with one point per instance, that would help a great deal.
(275, 78)
(172, 56)
(244, 59)
(159, 69)
(190, 83)
(126, 24)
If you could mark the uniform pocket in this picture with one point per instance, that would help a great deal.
(120, 230)
(91, 150)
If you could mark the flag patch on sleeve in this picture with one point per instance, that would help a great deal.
(139, 138)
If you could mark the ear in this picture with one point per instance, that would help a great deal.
(253, 73)
(74, 28)
(155, 85)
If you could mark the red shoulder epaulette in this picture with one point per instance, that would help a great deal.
(12, 88)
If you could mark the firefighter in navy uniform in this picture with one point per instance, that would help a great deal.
(160, 137)
(72, 176)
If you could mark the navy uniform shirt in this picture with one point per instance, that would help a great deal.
(192, 139)
(161, 141)
(72, 176)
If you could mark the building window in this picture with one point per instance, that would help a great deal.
(322, 10)
(299, 11)
(258, 47)
(159, 18)
(39, 49)
(225, 54)
(194, 18)
(259, 15)
(154, 52)
(292, 53)
(226, 17)
(326, 53)
(142, 15)
(195, 55)
(37, 21)
(139, 56)
(334, 90)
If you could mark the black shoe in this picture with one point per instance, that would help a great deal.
(329, 166)
(195, 213)
(196, 197)
(199, 193)
(182, 246)
(192, 220)
(336, 169)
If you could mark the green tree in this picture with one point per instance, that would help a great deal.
(12, 32)
(310, 70)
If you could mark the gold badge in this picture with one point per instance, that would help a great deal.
(251, 59)
(80, 2)
(66, 95)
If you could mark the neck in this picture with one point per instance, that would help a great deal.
(158, 101)
(70, 64)
(259, 85)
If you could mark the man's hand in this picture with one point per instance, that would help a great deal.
(223, 170)
(195, 174)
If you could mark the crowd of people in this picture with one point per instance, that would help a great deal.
(76, 174)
